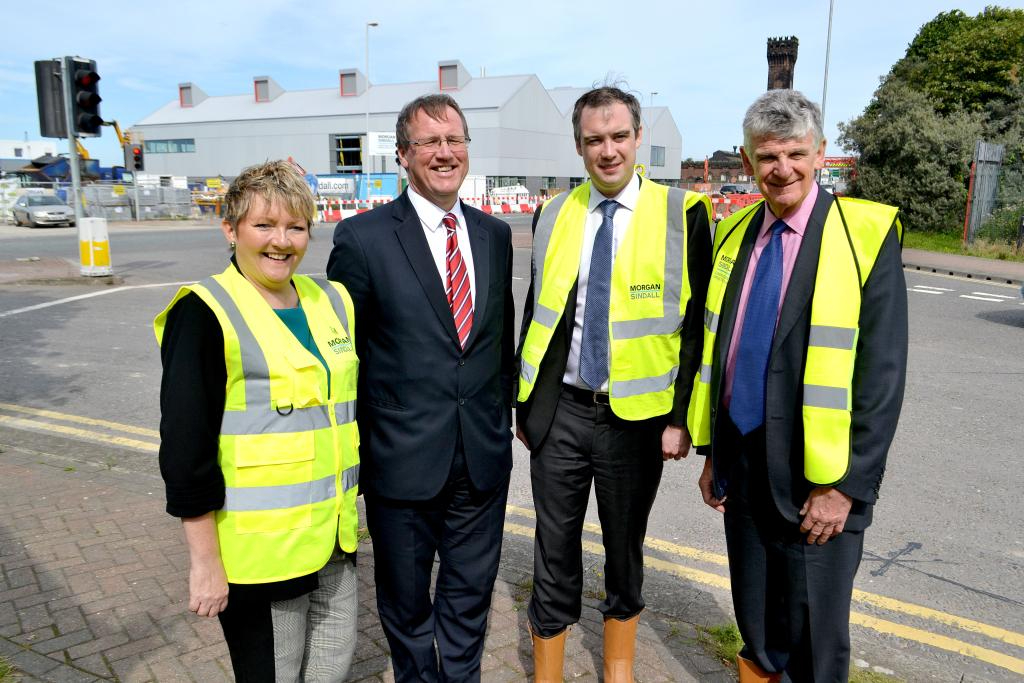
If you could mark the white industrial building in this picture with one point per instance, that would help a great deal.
(521, 132)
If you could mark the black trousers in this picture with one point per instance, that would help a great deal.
(463, 527)
(587, 442)
(792, 600)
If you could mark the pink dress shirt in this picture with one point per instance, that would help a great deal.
(792, 238)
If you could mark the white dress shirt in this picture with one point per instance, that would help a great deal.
(430, 216)
(627, 199)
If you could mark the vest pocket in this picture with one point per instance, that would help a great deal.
(274, 489)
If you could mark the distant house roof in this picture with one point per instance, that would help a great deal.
(479, 93)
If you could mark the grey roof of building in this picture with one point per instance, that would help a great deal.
(489, 92)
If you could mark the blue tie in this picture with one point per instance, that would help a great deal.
(594, 347)
(747, 406)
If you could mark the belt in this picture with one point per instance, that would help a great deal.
(586, 396)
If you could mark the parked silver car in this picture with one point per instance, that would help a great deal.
(35, 210)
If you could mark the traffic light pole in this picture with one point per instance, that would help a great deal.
(76, 173)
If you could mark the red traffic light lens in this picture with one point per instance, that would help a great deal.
(86, 77)
(136, 150)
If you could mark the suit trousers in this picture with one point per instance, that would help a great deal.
(792, 600)
(587, 442)
(463, 527)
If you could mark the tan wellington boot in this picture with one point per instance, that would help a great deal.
(752, 673)
(619, 648)
(548, 657)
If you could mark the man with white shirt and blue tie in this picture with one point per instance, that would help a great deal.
(800, 389)
(609, 349)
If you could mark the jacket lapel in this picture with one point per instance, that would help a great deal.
(480, 245)
(410, 235)
(805, 270)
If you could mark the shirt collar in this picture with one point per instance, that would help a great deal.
(627, 196)
(430, 214)
(798, 221)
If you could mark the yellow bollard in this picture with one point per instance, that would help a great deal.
(94, 247)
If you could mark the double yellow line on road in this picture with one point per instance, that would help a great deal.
(716, 580)
(108, 432)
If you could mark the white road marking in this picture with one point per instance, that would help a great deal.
(941, 289)
(1000, 296)
(922, 291)
(981, 298)
(26, 309)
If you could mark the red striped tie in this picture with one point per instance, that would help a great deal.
(456, 285)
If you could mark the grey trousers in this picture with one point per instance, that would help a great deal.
(315, 634)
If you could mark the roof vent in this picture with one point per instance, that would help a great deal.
(190, 94)
(351, 82)
(451, 75)
(266, 88)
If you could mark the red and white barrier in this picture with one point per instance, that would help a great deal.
(726, 206)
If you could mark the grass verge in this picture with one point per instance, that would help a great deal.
(947, 243)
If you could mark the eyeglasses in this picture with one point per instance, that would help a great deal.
(455, 143)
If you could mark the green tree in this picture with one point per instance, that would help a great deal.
(912, 156)
(961, 79)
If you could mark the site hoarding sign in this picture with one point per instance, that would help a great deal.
(336, 185)
(383, 144)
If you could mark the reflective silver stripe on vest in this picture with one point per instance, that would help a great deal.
(818, 396)
(545, 316)
(253, 498)
(526, 371)
(705, 374)
(266, 420)
(711, 320)
(345, 412)
(350, 478)
(256, 373)
(832, 337)
(541, 238)
(334, 296)
(670, 320)
(259, 417)
(644, 385)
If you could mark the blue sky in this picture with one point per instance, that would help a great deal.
(706, 61)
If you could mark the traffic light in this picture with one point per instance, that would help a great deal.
(134, 158)
(50, 95)
(85, 97)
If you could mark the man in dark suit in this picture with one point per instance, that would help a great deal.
(431, 281)
(805, 351)
(609, 349)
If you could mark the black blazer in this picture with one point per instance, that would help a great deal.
(535, 415)
(879, 373)
(421, 396)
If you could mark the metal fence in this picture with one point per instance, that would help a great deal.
(995, 202)
(112, 200)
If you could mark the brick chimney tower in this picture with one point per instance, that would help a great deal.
(781, 62)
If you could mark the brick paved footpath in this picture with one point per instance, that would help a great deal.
(93, 587)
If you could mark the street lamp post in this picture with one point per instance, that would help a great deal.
(366, 176)
(824, 87)
(650, 137)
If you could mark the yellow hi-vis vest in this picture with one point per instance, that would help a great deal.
(650, 288)
(853, 234)
(289, 446)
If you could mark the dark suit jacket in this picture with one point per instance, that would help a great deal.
(421, 396)
(535, 415)
(878, 382)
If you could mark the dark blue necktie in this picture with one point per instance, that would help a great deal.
(747, 406)
(594, 347)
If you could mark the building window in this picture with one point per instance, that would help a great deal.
(185, 95)
(548, 183)
(449, 77)
(182, 146)
(575, 182)
(348, 84)
(18, 151)
(347, 153)
(262, 91)
(657, 156)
